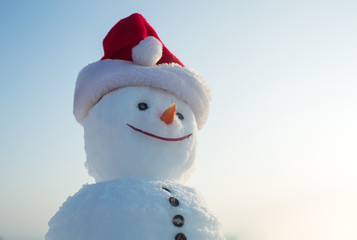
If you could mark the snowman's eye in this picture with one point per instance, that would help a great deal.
(180, 116)
(142, 106)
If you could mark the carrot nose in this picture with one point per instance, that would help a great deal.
(169, 114)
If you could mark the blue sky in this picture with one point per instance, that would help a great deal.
(278, 151)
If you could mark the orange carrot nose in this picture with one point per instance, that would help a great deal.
(169, 114)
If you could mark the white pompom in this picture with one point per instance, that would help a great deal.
(148, 52)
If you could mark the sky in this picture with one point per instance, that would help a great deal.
(277, 157)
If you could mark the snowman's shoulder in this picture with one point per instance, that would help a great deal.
(141, 195)
(121, 207)
(124, 192)
(132, 192)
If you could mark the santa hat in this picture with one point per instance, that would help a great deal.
(135, 56)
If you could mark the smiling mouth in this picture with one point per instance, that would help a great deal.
(158, 137)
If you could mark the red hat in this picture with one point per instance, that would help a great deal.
(135, 56)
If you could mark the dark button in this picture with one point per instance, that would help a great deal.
(174, 202)
(178, 221)
(180, 236)
(166, 189)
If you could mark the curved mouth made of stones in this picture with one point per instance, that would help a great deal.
(158, 137)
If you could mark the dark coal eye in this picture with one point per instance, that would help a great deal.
(180, 116)
(142, 106)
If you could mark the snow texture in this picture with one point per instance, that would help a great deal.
(115, 150)
(138, 162)
(102, 77)
(135, 209)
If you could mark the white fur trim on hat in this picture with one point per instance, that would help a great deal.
(148, 52)
(102, 77)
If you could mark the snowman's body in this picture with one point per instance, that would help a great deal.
(137, 174)
(141, 110)
(134, 208)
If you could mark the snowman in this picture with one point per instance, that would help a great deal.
(141, 110)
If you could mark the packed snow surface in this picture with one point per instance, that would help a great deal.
(140, 144)
(116, 150)
(135, 209)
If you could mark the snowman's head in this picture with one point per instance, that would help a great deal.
(140, 107)
(140, 132)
